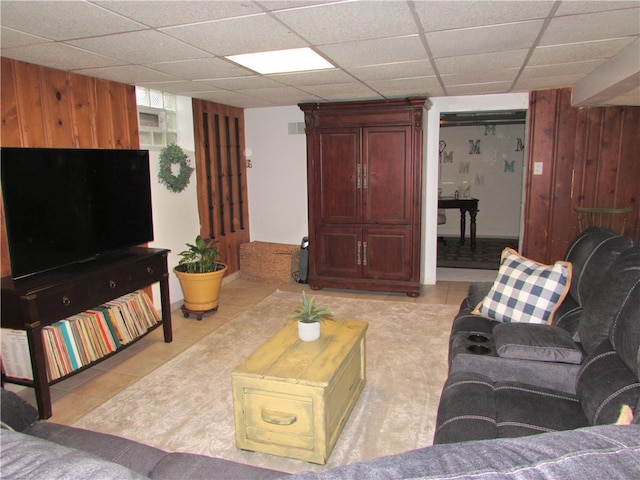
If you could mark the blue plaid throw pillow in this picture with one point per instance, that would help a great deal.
(525, 291)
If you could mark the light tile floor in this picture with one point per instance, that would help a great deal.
(77, 395)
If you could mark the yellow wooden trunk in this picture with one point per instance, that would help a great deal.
(292, 398)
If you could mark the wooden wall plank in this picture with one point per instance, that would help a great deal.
(56, 107)
(83, 111)
(585, 150)
(11, 130)
(29, 100)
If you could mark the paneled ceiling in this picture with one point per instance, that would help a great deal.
(381, 49)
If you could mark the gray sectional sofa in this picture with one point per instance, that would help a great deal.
(583, 368)
(46, 451)
(525, 379)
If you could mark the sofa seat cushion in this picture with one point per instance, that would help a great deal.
(473, 407)
(542, 343)
(29, 457)
(525, 291)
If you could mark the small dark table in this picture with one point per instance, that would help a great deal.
(465, 205)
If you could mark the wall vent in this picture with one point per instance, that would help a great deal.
(296, 128)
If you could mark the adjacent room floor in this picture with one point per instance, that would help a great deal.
(79, 394)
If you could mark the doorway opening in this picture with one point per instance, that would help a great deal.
(480, 179)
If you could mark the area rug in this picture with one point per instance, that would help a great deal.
(486, 255)
(186, 405)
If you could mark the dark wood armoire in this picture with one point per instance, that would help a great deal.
(364, 171)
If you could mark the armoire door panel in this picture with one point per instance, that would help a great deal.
(340, 176)
(339, 252)
(387, 175)
(386, 253)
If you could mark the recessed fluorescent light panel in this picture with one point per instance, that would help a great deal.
(282, 61)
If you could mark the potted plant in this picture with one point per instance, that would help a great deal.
(200, 275)
(309, 317)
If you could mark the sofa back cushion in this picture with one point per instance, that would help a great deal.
(591, 254)
(613, 309)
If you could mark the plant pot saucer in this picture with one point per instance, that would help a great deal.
(198, 313)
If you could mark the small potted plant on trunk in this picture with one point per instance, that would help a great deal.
(309, 317)
(200, 275)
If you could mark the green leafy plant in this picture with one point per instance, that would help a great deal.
(201, 257)
(309, 313)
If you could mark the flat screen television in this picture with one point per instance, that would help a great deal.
(68, 206)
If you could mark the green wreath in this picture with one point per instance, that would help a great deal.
(170, 155)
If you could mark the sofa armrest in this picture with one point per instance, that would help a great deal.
(555, 376)
(542, 343)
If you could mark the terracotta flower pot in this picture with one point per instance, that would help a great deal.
(200, 290)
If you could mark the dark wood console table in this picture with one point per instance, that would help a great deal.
(465, 205)
(33, 303)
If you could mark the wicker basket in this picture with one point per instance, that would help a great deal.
(269, 262)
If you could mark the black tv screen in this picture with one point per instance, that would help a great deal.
(64, 206)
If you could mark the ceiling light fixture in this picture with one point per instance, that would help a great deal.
(282, 61)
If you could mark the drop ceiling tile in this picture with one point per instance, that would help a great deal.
(375, 52)
(10, 38)
(274, 5)
(570, 8)
(481, 62)
(143, 47)
(234, 99)
(577, 52)
(595, 26)
(497, 38)
(350, 21)
(421, 86)
(343, 91)
(488, 76)
(440, 15)
(421, 68)
(178, 87)
(541, 83)
(242, 83)
(59, 56)
(256, 33)
(570, 68)
(201, 68)
(130, 74)
(63, 20)
(317, 77)
(479, 88)
(163, 13)
(272, 93)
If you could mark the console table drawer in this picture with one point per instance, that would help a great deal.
(62, 301)
(151, 270)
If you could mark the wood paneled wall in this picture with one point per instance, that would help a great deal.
(44, 107)
(222, 177)
(589, 156)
